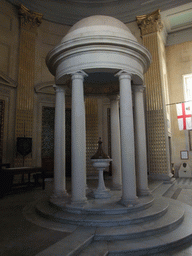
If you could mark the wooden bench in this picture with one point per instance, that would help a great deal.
(7, 175)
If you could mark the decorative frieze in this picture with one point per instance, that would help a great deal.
(150, 23)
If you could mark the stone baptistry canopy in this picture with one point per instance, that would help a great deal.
(98, 44)
(101, 50)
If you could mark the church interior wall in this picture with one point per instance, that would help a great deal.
(179, 63)
(49, 35)
(178, 58)
(135, 30)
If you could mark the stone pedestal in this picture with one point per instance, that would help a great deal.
(101, 191)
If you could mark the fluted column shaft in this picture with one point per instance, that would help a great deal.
(127, 140)
(140, 142)
(115, 143)
(59, 143)
(78, 139)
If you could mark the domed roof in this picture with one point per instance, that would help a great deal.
(99, 25)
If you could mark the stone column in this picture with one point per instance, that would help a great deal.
(156, 90)
(78, 139)
(59, 143)
(115, 143)
(140, 142)
(29, 21)
(127, 140)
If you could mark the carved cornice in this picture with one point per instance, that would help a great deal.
(28, 19)
(150, 23)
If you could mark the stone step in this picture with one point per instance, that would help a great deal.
(72, 244)
(150, 245)
(82, 241)
(163, 189)
(158, 208)
(153, 244)
(170, 220)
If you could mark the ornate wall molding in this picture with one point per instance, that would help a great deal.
(5, 80)
(150, 23)
(48, 88)
(29, 19)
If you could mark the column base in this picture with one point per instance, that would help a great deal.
(143, 192)
(79, 203)
(129, 202)
(60, 195)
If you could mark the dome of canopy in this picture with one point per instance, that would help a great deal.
(98, 43)
(99, 25)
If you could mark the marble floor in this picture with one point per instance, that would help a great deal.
(20, 237)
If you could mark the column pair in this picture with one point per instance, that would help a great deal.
(78, 141)
(128, 141)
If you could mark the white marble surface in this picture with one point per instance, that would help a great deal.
(154, 242)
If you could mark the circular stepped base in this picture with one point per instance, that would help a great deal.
(151, 227)
(95, 215)
(102, 206)
(158, 209)
(169, 221)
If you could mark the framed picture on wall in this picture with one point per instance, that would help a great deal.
(184, 154)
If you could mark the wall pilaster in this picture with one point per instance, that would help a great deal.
(29, 21)
(157, 134)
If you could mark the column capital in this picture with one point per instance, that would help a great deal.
(29, 19)
(138, 88)
(150, 23)
(114, 97)
(78, 75)
(59, 88)
(123, 74)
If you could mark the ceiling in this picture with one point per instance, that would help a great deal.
(177, 13)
